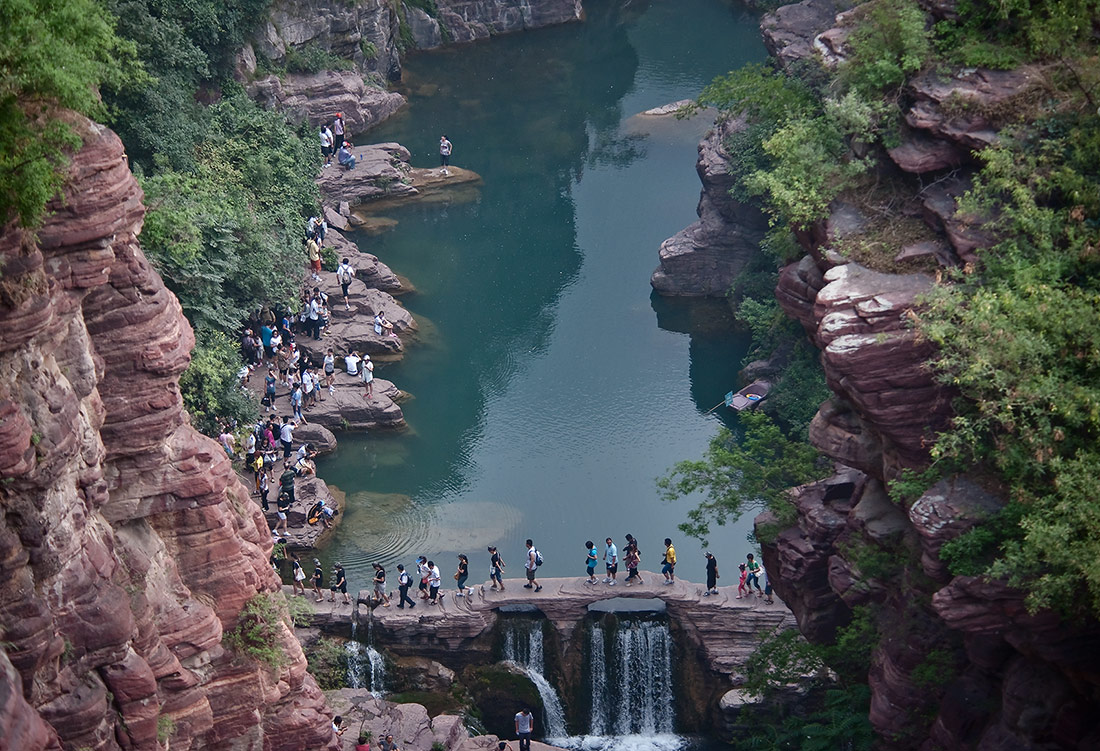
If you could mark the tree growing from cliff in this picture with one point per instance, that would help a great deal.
(737, 475)
(53, 57)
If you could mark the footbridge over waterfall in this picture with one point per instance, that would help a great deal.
(723, 629)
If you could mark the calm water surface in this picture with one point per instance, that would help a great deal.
(550, 387)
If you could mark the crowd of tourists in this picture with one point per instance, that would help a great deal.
(427, 576)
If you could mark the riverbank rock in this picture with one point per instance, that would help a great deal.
(369, 271)
(315, 98)
(348, 410)
(300, 535)
(354, 329)
(380, 171)
(470, 20)
(790, 31)
(702, 259)
(318, 436)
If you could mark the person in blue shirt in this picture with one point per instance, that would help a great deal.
(591, 561)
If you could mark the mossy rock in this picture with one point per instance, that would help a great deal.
(499, 691)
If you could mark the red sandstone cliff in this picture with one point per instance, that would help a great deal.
(127, 545)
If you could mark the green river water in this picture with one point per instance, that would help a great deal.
(550, 386)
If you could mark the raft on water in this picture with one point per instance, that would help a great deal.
(748, 397)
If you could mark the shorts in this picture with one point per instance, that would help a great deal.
(316, 264)
(380, 589)
(281, 515)
(326, 151)
(495, 574)
(612, 568)
(423, 585)
(530, 574)
(591, 570)
(342, 589)
(344, 286)
(667, 568)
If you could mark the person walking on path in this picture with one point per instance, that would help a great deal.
(611, 561)
(368, 377)
(330, 371)
(296, 403)
(461, 575)
(434, 580)
(669, 566)
(632, 559)
(525, 726)
(286, 436)
(496, 568)
(768, 589)
(591, 561)
(754, 574)
(344, 274)
(340, 584)
(445, 148)
(530, 566)
(282, 508)
(712, 575)
(318, 580)
(298, 575)
(403, 583)
(742, 589)
(424, 573)
(380, 596)
(269, 390)
(313, 250)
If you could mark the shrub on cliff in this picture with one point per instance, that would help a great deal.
(53, 56)
(259, 631)
(1020, 339)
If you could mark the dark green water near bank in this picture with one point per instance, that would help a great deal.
(550, 388)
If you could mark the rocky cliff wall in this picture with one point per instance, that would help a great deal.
(127, 545)
(959, 663)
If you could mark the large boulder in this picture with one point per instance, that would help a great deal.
(500, 691)
(790, 31)
(704, 257)
(381, 171)
(315, 98)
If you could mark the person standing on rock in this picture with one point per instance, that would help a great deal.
(434, 580)
(298, 575)
(286, 480)
(330, 371)
(296, 403)
(444, 155)
(530, 566)
(611, 562)
(286, 436)
(326, 137)
(754, 574)
(712, 575)
(525, 726)
(314, 316)
(313, 250)
(339, 128)
(496, 568)
(768, 589)
(344, 274)
(668, 568)
(590, 562)
(403, 583)
(269, 390)
(264, 488)
(282, 509)
(340, 584)
(318, 580)
(368, 377)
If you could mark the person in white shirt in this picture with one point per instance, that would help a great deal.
(368, 377)
(344, 274)
(351, 363)
(434, 579)
(611, 561)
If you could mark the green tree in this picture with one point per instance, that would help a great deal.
(53, 57)
(737, 476)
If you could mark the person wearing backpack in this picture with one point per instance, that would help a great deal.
(344, 274)
(534, 560)
(403, 583)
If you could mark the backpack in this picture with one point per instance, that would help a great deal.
(342, 275)
(538, 558)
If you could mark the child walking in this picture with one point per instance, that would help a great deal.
(742, 588)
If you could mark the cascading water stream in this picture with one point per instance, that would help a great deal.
(523, 647)
(366, 666)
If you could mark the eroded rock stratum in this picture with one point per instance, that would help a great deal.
(127, 545)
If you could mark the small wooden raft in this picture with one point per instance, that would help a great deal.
(748, 397)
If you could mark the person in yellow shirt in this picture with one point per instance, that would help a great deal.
(313, 250)
(669, 567)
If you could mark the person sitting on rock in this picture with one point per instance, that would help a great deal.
(382, 325)
(345, 157)
(351, 363)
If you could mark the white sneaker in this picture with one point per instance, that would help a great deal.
(459, 594)
(611, 583)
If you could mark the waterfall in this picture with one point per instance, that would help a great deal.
(630, 678)
(523, 647)
(366, 667)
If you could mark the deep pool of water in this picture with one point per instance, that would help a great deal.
(550, 387)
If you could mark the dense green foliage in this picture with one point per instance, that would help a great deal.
(1020, 339)
(210, 386)
(52, 56)
(328, 663)
(736, 476)
(188, 50)
(832, 713)
(1006, 33)
(260, 628)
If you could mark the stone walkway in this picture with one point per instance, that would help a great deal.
(726, 628)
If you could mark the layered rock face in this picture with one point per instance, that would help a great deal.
(959, 662)
(127, 545)
(702, 259)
